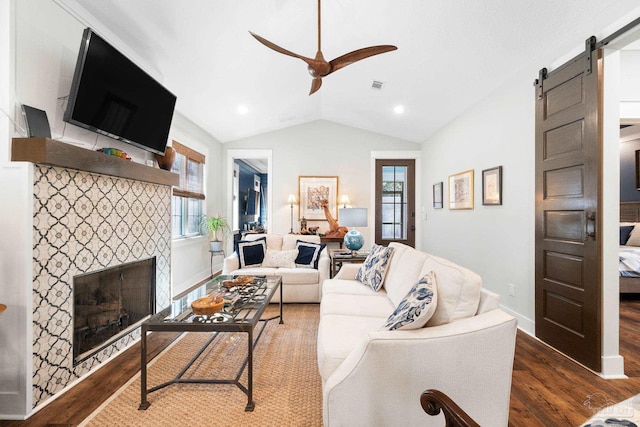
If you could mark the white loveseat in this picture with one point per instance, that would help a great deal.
(298, 284)
(374, 377)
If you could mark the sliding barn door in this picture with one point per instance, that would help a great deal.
(568, 176)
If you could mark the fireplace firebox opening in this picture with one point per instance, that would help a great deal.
(109, 303)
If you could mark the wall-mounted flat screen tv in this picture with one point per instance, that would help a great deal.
(113, 96)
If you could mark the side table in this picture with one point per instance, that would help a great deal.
(215, 253)
(339, 257)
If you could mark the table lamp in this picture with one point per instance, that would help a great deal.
(353, 217)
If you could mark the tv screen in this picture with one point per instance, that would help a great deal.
(113, 96)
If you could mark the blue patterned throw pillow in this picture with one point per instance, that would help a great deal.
(251, 252)
(308, 254)
(417, 307)
(374, 268)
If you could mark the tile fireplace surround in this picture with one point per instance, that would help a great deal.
(83, 222)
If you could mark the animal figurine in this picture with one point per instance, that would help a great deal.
(335, 230)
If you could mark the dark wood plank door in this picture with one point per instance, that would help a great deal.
(568, 177)
(395, 201)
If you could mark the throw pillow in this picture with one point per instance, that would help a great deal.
(251, 252)
(374, 268)
(308, 254)
(284, 259)
(625, 232)
(415, 309)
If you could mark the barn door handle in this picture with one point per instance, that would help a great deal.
(591, 220)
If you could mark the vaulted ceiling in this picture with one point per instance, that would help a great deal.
(451, 54)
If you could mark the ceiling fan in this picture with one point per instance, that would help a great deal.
(318, 67)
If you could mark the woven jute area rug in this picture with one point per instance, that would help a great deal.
(286, 387)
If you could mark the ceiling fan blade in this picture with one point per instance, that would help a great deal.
(315, 84)
(357, 55)
(277, 48)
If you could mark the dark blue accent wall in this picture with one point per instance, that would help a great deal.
(245, 182)
(628, 192)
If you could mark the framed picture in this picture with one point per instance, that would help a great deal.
(461, 190)
(492, 186)
(437, 195)
(312, 191)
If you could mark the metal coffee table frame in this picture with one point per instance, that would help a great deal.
(180, 318)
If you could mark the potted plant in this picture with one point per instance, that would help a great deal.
(218, 228)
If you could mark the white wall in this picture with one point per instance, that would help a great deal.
(629, 80)
(320, 148)
(494, 241)
(39, 42)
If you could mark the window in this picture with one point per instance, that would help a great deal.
(188, 196)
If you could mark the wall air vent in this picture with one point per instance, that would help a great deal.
(377, 85)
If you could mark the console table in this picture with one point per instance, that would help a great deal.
(339, 257)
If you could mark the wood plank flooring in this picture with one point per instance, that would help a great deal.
(548, 389)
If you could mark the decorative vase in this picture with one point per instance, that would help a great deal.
(215, 246)
(166, 162)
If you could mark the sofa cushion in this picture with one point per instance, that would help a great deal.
(374, 305)
(405, 270)
(374, 268)
(298, 276)
(342, 286)
(458, 290)
(289, 241)
(251, 252)
(417, 307)
(274, 258)
(308, 254)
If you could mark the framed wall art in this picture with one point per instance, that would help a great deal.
(461, 190)
(312, 191)
(437, 195)
(492, 186)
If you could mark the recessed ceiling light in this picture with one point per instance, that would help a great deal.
(398, 109)
(243, 109)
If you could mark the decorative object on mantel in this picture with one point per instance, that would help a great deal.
(218, 228)
(166, 162)
(354, 217)
(318, 67)
(114, 152)
(335, 230)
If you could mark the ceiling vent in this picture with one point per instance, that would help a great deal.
(377, 85)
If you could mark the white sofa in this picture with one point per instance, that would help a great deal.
(298, 284)
(374, 377)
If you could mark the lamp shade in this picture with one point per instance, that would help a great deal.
(292, 199)
(353, 217)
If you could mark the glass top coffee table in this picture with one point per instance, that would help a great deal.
(242, 316)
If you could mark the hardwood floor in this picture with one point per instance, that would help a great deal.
(548, 389)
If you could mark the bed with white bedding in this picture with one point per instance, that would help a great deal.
(629, 265)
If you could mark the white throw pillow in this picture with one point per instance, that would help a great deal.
(415, 309)
(284, 259)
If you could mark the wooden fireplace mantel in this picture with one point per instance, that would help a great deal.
(48, 151)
